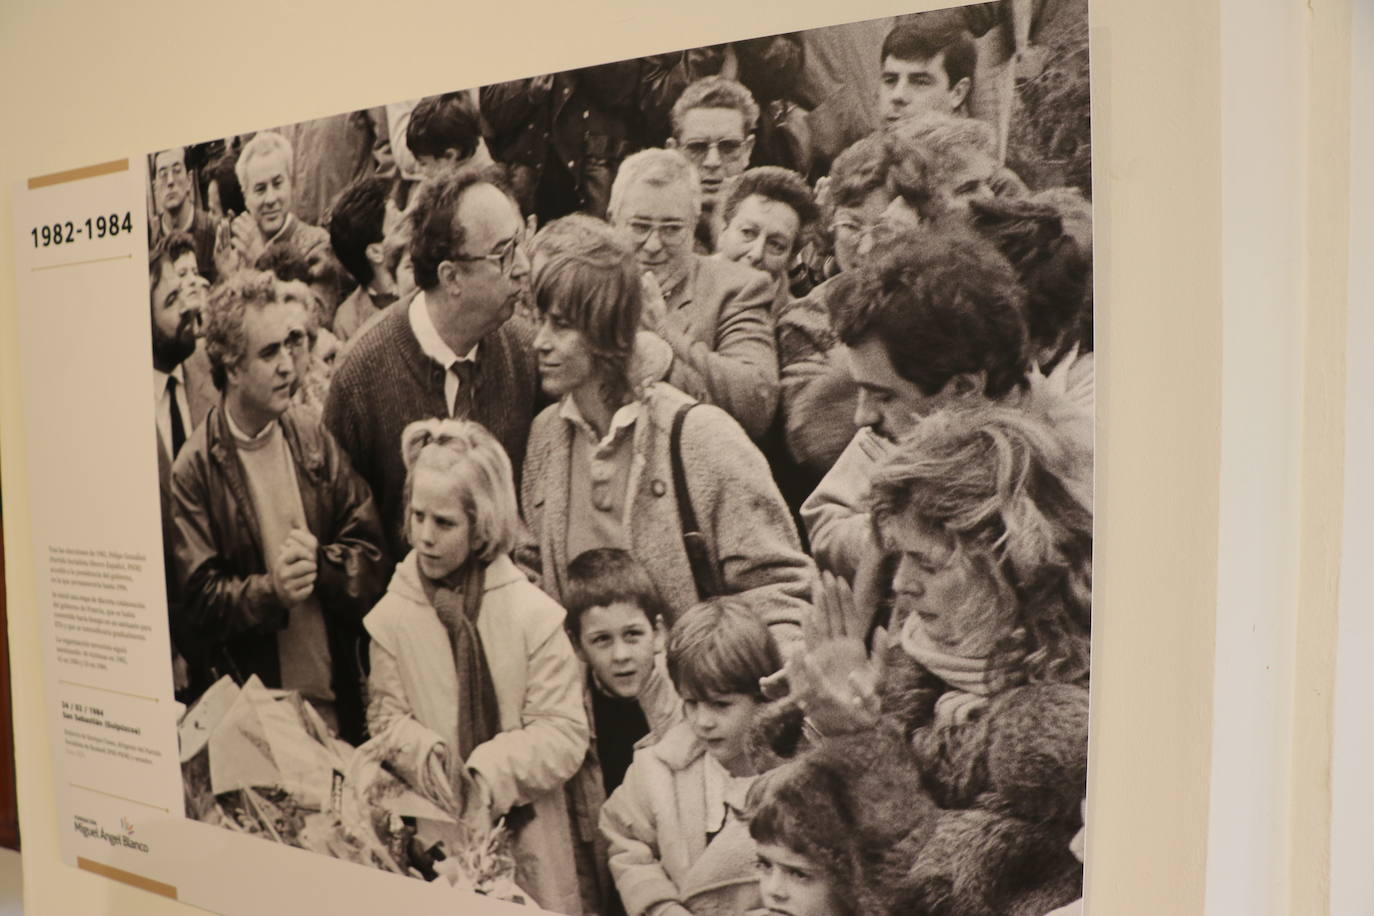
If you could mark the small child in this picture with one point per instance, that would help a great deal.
(615, 620)
(795, 875)
(678, 843)
(837, 829)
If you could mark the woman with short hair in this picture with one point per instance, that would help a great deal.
(599, 469)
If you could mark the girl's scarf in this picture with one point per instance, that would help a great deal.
(457, 599)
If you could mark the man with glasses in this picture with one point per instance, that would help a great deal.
(713, 314)
(177, 210)
(451, 348)
(276, 543)
(713, 126)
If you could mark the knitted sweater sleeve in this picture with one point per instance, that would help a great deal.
(752, 536)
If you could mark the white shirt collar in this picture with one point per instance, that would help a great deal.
(625, 417)
(160, 380)
(243, 436)
(422, 325)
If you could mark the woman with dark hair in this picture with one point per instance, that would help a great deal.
(601, 471)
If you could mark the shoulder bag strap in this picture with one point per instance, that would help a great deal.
(704, 571)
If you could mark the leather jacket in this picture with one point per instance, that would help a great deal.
(227, 599)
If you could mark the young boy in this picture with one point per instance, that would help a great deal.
(615, 620)
(678, 844)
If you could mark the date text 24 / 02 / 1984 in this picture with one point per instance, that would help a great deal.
(69, 232)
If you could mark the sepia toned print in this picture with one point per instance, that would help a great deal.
(662, 487)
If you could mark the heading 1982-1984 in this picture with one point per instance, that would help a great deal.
(68, 233)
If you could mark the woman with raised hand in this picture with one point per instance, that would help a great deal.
(982, 666)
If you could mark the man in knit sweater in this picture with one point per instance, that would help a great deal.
(451, 349)
(276, 542)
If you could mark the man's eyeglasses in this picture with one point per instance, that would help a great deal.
(728, 148)
(668, 233)
(503, 259)
(176, 169)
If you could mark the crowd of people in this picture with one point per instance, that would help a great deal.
(698, 485)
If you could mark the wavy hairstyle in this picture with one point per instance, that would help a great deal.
(168, 250)
(478, 467)
(855, 807)
(229, 301)
(716, 92)
(1054, 267)
(948, 140)
(882, 160)
(992, 478)
(778, 184)
(586, 270)
(943, 302)
(659, 168)
(264, 143)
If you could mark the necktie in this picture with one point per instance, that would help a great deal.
(178, 428)
(462, 400)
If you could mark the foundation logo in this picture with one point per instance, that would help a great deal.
(93, 830)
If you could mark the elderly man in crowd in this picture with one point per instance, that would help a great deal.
(452, 349)
(276, 540)
(264, 170)
(713, 314)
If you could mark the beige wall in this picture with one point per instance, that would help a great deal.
(87, 82)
